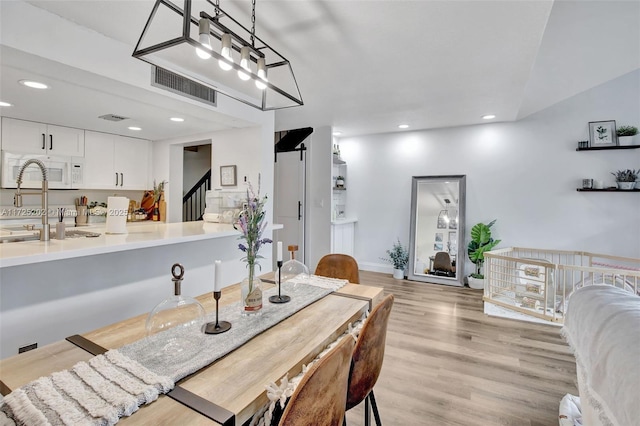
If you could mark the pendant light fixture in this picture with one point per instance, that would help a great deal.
(244, 63)
(262, 74)
(227, 41)
(225, 51)
(204, 38)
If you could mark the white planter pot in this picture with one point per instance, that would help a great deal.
(475, 283)
(626, 140)
(626, 185)
(398, 274)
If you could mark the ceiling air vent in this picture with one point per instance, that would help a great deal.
(182, 86)
(113, 117)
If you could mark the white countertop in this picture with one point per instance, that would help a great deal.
(140, 235)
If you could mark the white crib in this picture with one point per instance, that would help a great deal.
(538, 282)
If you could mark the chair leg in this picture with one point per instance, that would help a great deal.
(367, 411)
(375, 408)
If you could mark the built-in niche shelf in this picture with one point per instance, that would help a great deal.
(604, 148)
(607, 190)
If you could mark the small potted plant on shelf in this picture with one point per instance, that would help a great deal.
(626, 179)
(626, 135)
(481, 242)
(398, 256)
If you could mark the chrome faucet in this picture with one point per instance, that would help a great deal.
(17, 198)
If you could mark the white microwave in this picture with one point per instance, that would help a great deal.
(62, 172)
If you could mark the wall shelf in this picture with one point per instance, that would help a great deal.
(607, 190)
(604, 148)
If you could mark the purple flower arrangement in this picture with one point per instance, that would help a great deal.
(251, 224)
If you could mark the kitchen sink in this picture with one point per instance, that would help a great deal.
(17, 234)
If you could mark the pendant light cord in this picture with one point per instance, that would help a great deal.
(253, 22)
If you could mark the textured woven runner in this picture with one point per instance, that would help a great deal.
(113, 385)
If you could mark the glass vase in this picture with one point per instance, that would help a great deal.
(251, 293)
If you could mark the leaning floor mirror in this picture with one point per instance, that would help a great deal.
(436, 247)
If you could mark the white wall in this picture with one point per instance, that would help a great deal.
(524, 174)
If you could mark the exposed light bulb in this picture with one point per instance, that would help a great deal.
(262, 74)
(225, 52)
(204, 39)
(244, 63)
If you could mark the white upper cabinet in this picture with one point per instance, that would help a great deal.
(132, 158)
(30, 137)
(116, 162)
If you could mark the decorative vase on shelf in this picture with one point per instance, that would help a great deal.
(626, 185)
(251, 291)
(626, 140)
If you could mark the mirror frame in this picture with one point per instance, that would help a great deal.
(461, 253)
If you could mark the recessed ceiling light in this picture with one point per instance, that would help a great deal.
(177, 119)
(336, 133)
(134, 128)
(488, 117)
(403, 126)
(33, 84)
(4, 104)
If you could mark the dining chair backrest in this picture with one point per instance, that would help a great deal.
(340, 266)
(369, 353)
(320, 397)
(442, 262)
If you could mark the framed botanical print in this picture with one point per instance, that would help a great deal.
(602, 133)
(228, 175)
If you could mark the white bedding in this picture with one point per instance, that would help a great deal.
(602, 326)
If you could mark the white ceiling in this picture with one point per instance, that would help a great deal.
(362, 66)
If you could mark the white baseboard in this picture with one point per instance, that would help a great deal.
(376, 267)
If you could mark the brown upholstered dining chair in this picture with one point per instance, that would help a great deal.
(367, 360)
(320, 397)
(442, 264)
(340, 266)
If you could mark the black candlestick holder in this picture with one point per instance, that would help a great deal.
(218, 326)
(279, 298)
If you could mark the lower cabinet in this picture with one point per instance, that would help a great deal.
(342, 237)
(116, 162)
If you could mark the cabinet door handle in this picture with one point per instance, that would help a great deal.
(50, 141)
(121, 179)
(43, 140)
(299, 210)
(116, 179)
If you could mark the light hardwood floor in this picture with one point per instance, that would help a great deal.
(447, 363)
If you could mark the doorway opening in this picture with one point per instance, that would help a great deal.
(196, 180)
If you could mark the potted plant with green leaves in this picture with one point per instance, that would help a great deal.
(481, 242)
(626, 179)
(626, 135)
(398, 256)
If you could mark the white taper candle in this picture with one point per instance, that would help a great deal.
(279, 259)
(217, 280)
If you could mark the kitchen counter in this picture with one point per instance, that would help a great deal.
(86, 283)
(140, 235)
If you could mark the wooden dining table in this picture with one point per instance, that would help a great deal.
(228, 391)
